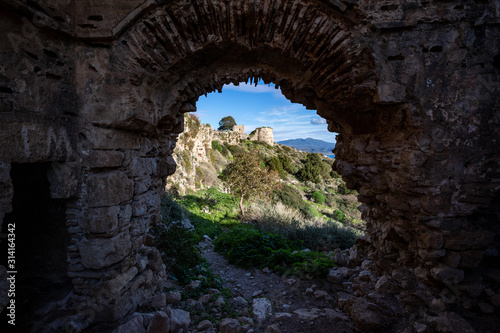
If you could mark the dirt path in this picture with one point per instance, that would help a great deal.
(298, 305)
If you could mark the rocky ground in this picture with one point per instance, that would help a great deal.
(351, 299)
(295, 305)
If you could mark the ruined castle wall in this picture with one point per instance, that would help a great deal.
(264, 134)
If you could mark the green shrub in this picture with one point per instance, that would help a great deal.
(334, 174)
(289, 196)
(343, 190)
(338, 215)
(287, 164)
(186, 160)
(316, 233)
(304, 264)
(178, 249)
(318, 197)
(235, 150)
(315, 169)
(276, 165)
(310, 212)
(216, 146)
(247, 247)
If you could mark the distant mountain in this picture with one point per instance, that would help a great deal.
(310, 145)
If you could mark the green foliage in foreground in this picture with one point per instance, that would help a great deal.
(179, 251)
(248, 247)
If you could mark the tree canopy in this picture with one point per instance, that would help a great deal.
(226, 123)
(246, 177)
(315, 169)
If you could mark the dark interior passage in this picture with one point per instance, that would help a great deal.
(41, 239)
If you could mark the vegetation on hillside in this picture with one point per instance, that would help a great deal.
(265, 206)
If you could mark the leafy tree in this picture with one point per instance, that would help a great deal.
(315, 169)
(226, 123)
(247, 179)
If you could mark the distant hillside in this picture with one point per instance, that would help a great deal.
(310, 145)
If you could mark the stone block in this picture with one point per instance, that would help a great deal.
(452, 259)
(105, 159)
(143, 203)
(109, 189)
(469, 240)
(446, 273)
(173, 297)
(366, 316)
(471, 259)
(100, 220)
(121, 281)
(431, 240)
(99, 253)
(64, 180)
(111, 139)
(140, 166)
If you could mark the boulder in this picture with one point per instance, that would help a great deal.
(179, 319)
(229, 325)
(262, 308)
(160, 323)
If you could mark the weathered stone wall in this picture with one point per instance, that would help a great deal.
(264, 134)
(98, 89)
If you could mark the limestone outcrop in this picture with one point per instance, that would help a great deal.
(92, 97)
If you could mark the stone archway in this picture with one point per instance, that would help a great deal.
(417, 141)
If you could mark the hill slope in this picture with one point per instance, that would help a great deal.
(310, 145)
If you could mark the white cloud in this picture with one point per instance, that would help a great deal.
(318, 121)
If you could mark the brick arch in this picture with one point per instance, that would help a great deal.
(312, 46)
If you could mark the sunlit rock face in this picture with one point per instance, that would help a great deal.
(93, 94)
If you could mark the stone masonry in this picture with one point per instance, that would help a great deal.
(92, 96)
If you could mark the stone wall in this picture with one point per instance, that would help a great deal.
(98, 91)
(264, 134)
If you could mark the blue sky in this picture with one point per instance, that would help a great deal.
(262, 106)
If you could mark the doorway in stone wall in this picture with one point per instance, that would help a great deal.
(268, 123)
(41, 240)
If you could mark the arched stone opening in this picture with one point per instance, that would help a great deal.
(420, 147)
